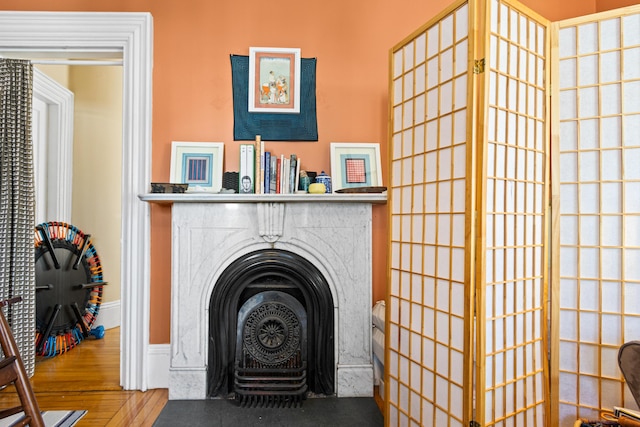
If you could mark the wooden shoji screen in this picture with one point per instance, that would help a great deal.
(467, 220)
(597, 226)
(512, 266)
(428, 335)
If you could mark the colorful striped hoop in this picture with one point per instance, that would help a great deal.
(69, 286)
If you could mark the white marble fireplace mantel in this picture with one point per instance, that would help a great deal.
(203, 197)
(210, 231)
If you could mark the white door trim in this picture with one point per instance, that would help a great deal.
(58, 165)
(91, 34)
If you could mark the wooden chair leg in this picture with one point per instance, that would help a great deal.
(16, 370)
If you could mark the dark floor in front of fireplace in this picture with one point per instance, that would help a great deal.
(314, 412)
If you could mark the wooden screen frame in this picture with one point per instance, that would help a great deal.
(505, 317)
(475, 226)
(432, 413)
(603, 377)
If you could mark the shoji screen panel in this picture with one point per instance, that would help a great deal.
(597, 128)
(428, 348)
(512, 339)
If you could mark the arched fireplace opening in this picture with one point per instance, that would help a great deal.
(271, 292)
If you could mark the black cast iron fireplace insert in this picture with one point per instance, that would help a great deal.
(271, 326)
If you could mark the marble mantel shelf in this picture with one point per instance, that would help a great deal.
(170, 198)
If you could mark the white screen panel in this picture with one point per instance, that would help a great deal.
(598, 214)
(515, 208)
(426, 363)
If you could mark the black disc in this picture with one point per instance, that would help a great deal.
(61, 285)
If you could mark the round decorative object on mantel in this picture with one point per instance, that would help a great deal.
(68, 288)
(317, 188)
(325, 179)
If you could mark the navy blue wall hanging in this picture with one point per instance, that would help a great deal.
(274, 126)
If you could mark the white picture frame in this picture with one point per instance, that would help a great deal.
(274, 80)
(199, 164)
(355, 165)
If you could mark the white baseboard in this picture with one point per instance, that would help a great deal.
(158, 366)
(109, 315)
(158, 354)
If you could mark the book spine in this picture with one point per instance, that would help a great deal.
(272, 180)
(267, 172)
(283, 180)
(297, 181)
(292, 173)
(285, 174)
(278, 175)
(261, 167)
(243, 167)
(257, 163)
(251, 172)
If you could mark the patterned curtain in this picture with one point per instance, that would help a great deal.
(17, 203)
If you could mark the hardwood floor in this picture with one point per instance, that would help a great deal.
(88, 377)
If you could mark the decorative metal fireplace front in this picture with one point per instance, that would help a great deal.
(271, 331)
(271, 350)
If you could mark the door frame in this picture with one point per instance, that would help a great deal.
(92, 34)
(58, 154)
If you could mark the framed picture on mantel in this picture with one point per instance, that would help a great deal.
(198, 164)
(274, 80)
(355, 164)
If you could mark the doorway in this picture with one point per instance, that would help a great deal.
(90, 35)
(78, 178)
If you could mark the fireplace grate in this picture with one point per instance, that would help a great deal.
(271, 363)
(270, 387)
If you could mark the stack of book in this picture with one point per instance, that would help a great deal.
(264, 172)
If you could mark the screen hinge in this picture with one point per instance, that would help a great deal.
(474, 423)
(478, 66)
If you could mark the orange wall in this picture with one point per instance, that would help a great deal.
(192, 84)
(351, 43)
(558, 10)
(602, 5)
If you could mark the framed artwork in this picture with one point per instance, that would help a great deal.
(355, 164)
(301, 126)
(198, 164)
(274, 80)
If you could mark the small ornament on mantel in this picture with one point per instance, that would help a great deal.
(325, 179)
(305, 180)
